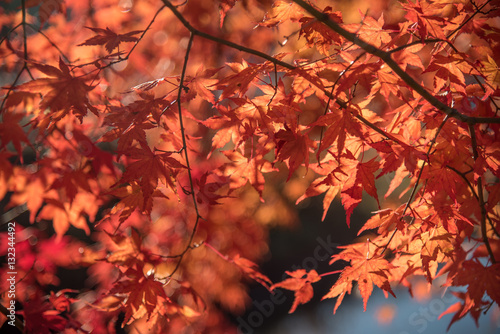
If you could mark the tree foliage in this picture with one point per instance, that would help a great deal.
(175, 135)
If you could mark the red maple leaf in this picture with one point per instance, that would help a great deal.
(10, 131)
(109, 38)
(62, 92)
(143, 293)
(479, 279)
(461, 308)
(132, 198)
(149, 167)
(293, 146)
(208, 192)
(45, 317)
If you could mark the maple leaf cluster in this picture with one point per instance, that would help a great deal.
(168, 132)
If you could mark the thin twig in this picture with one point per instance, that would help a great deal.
(462, 175)
(414, 190)
(25, 38)
(51, 43)
(330, 97)
(425, 41)
(275, 85)
(478, 10)
(202, 34)
(9, 32)
(145, 30)
(11, 88)
(480, 194)
(184, 148)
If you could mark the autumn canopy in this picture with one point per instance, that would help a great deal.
(154, 144)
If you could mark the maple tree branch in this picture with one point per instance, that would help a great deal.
(273, 60)
(379, 130)
(25, 38)
(480, 194)
(493, 227)
(386, 57)
(239, 47)
(184, 148)
(462, 175)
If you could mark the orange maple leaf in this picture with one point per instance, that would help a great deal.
(282, 11)
(301, 284)
(242, 170)
(250, 269)
(318, 34)
(353, 189)
(63, 215)
(371, 30)
(338, 124)
(366, 268)
(202, 81)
